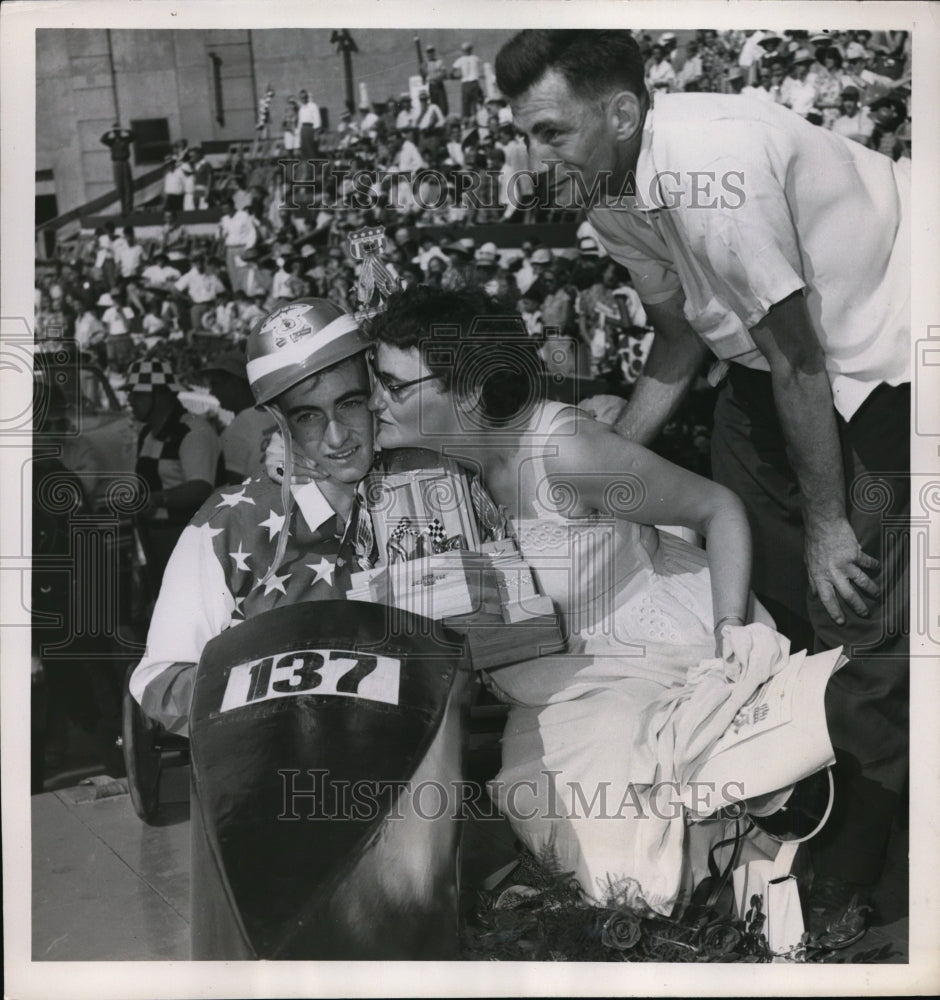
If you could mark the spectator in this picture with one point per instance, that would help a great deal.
(761, 91)
(430, 121)
(798, 90)
(154, 322)
(105, 266)
(829, 84)
(119, 142)
(178, 457)
(404, 116)
(173, 239)
(869, 85)
(310, 123)
(238, 233)
(200, 287)
(128, 253)
(692, 71)
(903, 136)
(659, 72)
(202, 178)
(369, 122)
(244, 440)
(174, 184)
(90, 332)
(778, 76)
(735, 80)
(409, 158)
(117, 318)
(468, 69)
(854, 122)
(160, 273)
(435, 74)
(289, 127)
(886, 113)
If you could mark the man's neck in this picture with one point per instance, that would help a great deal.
(340, 496)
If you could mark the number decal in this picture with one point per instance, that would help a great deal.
(350, 681)
(320, 672)
(260, 673)
(304, 672)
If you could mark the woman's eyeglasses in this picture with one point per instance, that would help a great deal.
(393, 388)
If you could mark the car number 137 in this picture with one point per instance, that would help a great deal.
(313, 671)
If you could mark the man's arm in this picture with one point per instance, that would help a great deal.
(674, 359)
(803, 399)
(194, 605)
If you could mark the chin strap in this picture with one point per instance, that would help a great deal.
(287, 499)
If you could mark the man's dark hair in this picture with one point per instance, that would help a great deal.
(594, 63)
(469, 344)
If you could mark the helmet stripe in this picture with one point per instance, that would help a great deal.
(301, 350)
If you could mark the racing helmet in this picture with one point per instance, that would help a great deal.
(296, 341)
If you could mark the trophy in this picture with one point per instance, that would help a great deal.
(447, 553)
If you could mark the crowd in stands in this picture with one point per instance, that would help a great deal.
(412, 166)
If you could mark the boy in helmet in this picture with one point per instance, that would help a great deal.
(258, 546)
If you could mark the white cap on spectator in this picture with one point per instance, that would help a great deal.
(541, 255)
(487, 254)
(105, 300)
(505, 116)
(855, 51)
(587, 247)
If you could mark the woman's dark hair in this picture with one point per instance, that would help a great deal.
(833, 53)
(594, 63)
(470, 344)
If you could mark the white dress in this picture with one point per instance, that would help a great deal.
(576, 766)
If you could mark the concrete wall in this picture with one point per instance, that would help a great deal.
(168, 74)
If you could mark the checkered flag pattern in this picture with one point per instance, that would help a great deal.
(142, 376)
(436, 531)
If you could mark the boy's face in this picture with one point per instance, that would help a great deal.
(329, 420)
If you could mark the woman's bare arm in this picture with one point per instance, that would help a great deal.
(623, 479)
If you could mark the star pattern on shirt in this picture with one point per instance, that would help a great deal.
(234, 499)
(239, 601)
(240, 557)
(274, 522)
(324, 571)
(275, 582)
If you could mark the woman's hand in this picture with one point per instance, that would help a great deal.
(303, 470)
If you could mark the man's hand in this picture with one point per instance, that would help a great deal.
(836, 566)
(604, 409)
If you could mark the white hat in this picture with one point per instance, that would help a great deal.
(487, 254)
(504, 115)
(855, 51)
(587, 247)
(105, 300)
(541, 255)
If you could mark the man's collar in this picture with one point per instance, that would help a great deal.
(645, 183)
(314, 506)
(642, 179)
